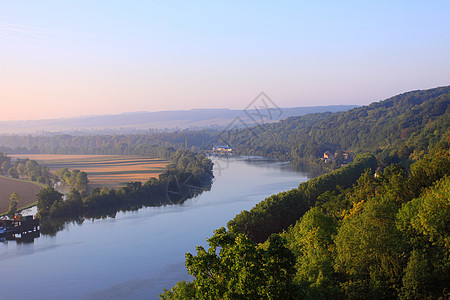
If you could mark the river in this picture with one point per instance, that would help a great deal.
(137, 254)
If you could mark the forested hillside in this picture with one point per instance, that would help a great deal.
(385, 237)
(353, 233)
(279, 211)
(394, 129)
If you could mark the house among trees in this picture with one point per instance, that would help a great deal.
(328, 156)
(222, 149)
(340, 156)
(377, 172)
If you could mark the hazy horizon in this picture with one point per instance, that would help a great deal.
(79, 58)
(164, 111)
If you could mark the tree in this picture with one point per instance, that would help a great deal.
(46, 198)
(311, 242)
(369, 250)
(13, 173)
(425, 221)
(21, 169)
(82, 181)
(5, 167)
(181, 291)
(63, 175)
(235, 267)
(14, 198)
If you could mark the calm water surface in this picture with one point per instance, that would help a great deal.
(137, 254)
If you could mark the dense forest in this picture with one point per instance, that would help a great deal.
(279, 211)
(394, 130)
(377, 228)
(384, 237)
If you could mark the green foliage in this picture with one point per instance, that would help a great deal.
(47, 198)
(72, 206)
(14, 198)
(24, 168)
(13, 173)
(429, 169)
(181, 291)
(425, 222)
(418, 277)
(280, 211)
(362, 237)
(75, 178)
(397, 129)
(311, 240)
(368, 250)
(234, 267)
(385, 237)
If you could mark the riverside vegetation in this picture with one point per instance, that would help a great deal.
(353, 233)
(188, 175)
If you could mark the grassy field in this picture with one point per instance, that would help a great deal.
(25, 189)
(104, 170)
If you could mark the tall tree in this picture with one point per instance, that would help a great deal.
(14, 198)
(235, 267)
(46, 197)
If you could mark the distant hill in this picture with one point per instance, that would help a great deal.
(136, 122)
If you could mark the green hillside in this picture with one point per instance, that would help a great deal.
(394, 129)
(348, 234)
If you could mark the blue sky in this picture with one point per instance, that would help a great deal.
(72, 58)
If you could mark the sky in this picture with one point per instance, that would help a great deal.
(63, 59)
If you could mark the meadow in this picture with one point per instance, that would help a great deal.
(104, 170)
(25, 189)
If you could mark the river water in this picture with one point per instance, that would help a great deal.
(137, 254)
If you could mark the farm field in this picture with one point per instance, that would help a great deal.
(25, 189)
(104, 170)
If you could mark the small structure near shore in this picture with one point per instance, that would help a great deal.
(339, 155)
(222, 150)
(22, 225)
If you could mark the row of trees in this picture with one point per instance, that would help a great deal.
(24, 168)
(160, 145)
(385, 237)
(32, 170)
(76, 179)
